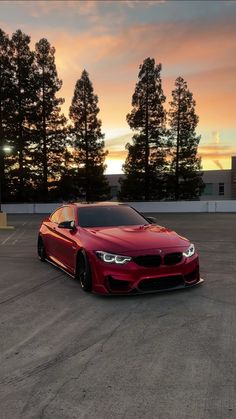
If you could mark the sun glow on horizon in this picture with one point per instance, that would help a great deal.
(114, 166)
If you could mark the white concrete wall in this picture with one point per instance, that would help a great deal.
(46, 208)
(33, 208)
(225, 206)
(181, 206)
(18, 208)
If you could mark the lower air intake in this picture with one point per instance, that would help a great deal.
(116, 285)
(192, 276)
(163, 283)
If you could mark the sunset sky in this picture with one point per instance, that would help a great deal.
(110, 39)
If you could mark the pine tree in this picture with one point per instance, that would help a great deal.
(145, 165)
(5, 110)
(67, 188)
(185, 181)
(23, 100)
(87, 139)
(49, 122)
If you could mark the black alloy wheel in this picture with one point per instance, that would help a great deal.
(41, 250)
(83, 272)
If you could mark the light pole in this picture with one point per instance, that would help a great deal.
(6, 149)
(3, 216)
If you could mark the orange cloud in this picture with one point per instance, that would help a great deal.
(202, 52)
(214, 155)
(118, 154)
(204, 153)
(203, 55)
(210, 161)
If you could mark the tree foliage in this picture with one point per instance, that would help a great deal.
(145, 165)
(23, 100)
(185, 180)
(87, 139)
(30, 118)
(50, 138)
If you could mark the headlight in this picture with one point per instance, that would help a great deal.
(190, 251)
(111, 258)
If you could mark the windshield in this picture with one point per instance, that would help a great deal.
(109, 216)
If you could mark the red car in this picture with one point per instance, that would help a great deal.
(112, 249)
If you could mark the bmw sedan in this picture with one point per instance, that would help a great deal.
(113, 249)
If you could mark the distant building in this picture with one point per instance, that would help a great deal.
(219, 184)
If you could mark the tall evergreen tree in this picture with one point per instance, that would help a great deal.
(87, 139)
(23, 102)
(49, 122)
(145, 165)
(185, 181)
(67, 188)
(5, 110)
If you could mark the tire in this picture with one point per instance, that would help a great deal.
(41, 250)
(83, 272)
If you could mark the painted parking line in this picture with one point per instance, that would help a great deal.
(9, 237)
(19, 237)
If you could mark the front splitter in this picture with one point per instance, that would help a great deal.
(136, 291)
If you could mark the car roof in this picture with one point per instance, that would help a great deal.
(97, 204)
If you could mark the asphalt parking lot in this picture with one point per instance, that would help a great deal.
(67, 354)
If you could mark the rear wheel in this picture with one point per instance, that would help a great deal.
(83, 272)
(41, 250)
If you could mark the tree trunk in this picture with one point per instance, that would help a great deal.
(45, 164)
(147, 151)
(87, 189)
(2, 162)
(21, 152)
(20, 138)
(177, 153)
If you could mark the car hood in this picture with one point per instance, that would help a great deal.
(131, 238)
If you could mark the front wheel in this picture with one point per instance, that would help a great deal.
(41, 250)
(83, 272)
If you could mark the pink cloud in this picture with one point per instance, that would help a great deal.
(41, 8)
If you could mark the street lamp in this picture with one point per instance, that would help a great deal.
(7, 148)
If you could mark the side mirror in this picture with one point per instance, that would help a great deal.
(152, 220)
(70, 225)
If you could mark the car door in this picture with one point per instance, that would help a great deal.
(51, 235)
(65, 240)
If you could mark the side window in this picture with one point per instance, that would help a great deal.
(55, 216)
(67, 214)
(221, 188)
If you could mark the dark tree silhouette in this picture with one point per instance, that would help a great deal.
(87, 139)
(5, 108)
(145, 165)
(67, 187)
(50, 133)
(23, 100)
(185, 181)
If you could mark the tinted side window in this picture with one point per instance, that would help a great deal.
(67, 214)
(55, 216)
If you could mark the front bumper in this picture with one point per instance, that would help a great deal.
(133, 279)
